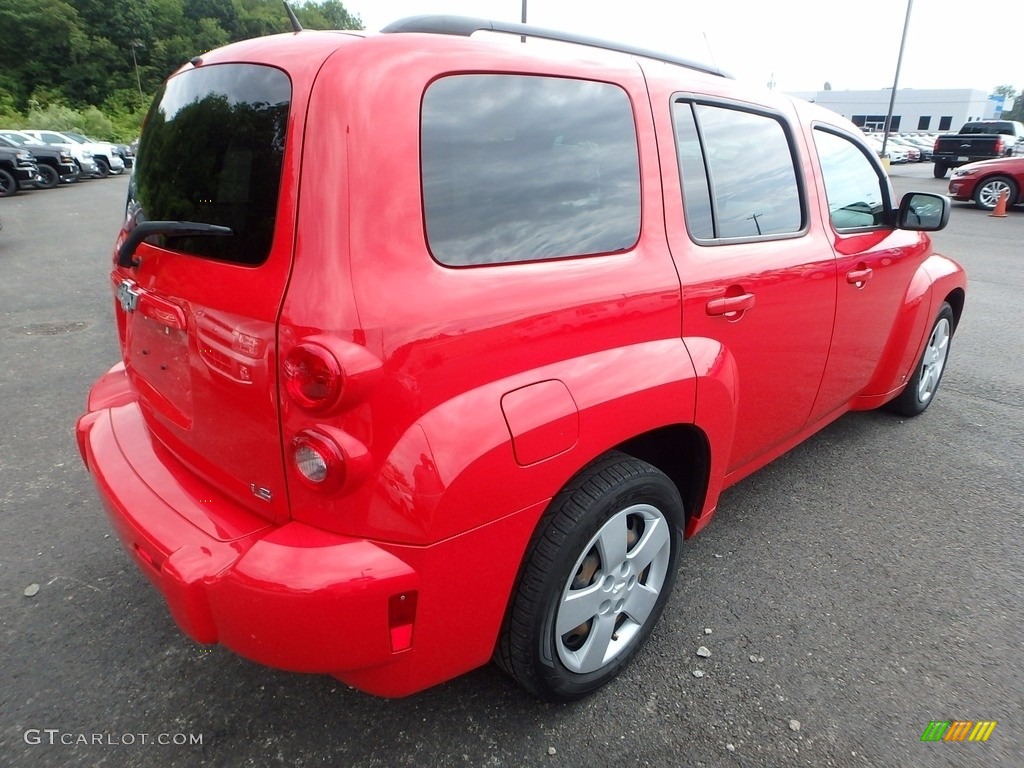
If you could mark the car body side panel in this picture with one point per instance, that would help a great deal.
(606, 326)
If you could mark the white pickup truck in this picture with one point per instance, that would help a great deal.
(107, 159)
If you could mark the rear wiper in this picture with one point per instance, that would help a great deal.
(176, 228)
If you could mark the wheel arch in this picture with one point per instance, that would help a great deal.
(955, 299)
(938, 279)
(683, 454)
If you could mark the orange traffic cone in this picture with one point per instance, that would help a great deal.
(1000, 209)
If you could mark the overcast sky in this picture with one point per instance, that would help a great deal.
(800, 44)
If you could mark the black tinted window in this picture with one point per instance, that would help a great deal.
(211, 152)
(745, 174)
(519, 168)
(856, 194)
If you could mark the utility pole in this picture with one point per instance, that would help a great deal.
(522, 38)
(138, 80)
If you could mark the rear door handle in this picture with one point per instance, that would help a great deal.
(730, 304)
(859, 276)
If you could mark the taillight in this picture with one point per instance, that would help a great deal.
(329, 459)
(999, 145)
(312, 376)
(318, 461)
(325, 376)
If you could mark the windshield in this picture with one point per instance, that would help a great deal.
(211, 152)
(78, 137)
(20, 140)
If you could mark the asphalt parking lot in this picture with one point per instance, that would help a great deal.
(858, 588)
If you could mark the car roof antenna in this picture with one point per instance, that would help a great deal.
(296, 27)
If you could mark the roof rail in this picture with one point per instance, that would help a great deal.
(464, 26)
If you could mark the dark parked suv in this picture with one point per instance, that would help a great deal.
(437, 349)
(17, 169)
(55, 165)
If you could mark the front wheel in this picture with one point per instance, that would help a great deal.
(923, 385)
(596, 578)
(102, 167)
(987, 193)
(48, 177)
(8, 186)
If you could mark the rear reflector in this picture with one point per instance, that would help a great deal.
(401, 616)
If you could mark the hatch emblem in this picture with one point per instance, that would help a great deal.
(260, 492)
(127, 296)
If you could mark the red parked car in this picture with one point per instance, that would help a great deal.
(984, 181)
(438, 349)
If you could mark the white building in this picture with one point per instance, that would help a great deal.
(914, 109)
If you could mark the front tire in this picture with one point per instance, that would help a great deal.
(987, 193)
(8, 185)
(924, 384)
(102, 167)
(48, 177)
(597, 574)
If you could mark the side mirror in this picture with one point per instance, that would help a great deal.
(923, 212)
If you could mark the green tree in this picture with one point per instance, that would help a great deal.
(1017, 112)
(74, 54)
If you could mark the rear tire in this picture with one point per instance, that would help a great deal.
(596, 576)
(940, 170)
(924, 384)
(986, 194)
(102, 167)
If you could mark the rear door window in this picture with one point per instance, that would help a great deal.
(212, 152)
(739, 173)
(522, 168)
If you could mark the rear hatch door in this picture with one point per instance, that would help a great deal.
(197, 314)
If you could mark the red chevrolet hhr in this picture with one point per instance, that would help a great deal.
(436, 349)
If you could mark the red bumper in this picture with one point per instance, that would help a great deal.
(292, 596)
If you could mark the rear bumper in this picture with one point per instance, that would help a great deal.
(293, 596)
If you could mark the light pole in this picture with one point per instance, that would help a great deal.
(896, 79)
(522, 38)
(138, 80)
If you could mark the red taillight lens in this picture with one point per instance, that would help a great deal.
(318, 461)
(312, 376)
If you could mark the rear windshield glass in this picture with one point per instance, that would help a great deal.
(211, 152)
(1006, 128)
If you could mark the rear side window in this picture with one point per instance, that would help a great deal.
(521, 168)
(211, 152)
(739, 173)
